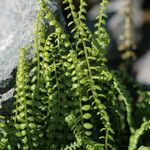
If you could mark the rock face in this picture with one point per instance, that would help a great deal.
(17, 20)
(16, 28)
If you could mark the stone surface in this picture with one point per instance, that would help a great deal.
(16, 29)
(17, 21)
(142, 69)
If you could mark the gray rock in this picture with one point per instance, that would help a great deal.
(16, 30)
(142, 69)
(6, 102)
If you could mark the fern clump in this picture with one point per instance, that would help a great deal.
(66, 97)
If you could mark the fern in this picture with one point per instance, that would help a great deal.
(23, 119)
(3, 133)
(83, 36)
(101, 33)
(143, 148)
(135, 137)
(66, 97)
(126, 98)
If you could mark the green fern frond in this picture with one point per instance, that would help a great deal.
(135, 136)
(76, 128)
(23, 118)
(127, 100)
(144, 148)
(55, 80)
(82, 12)
(101, 34)
(3, 133)
(38, 91)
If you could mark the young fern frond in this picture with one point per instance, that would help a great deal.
(38, 91)
(136, 135)
(127, 100)
(101, 32)
(23, 118)
(82, 12)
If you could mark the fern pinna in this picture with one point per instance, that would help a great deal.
(66, 97)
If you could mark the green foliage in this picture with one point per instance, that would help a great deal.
(135, 137)
(66, 97)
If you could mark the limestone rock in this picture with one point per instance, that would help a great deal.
(17, 22)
